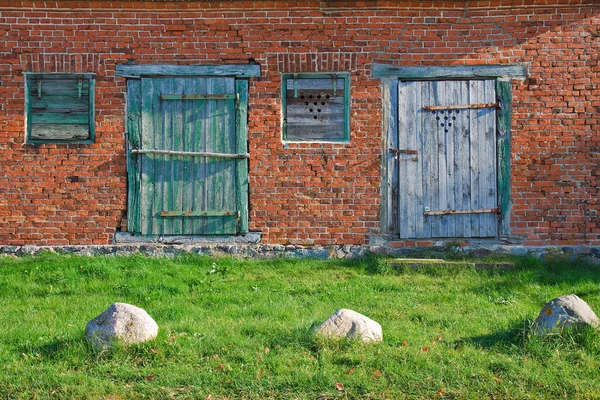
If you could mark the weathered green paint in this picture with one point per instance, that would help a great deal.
(60, 108)
(504, 121)
(134, 132)
(189, 160)
(228, 213)
(241, 175)
(449, 72)
(191, 153)
(238, 71)
(197, 96)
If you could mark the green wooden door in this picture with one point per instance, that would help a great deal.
(187, 156)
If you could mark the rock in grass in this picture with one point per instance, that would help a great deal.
(563, 312)
(349, 324)
(121, 323)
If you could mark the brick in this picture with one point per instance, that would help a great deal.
(296, 196)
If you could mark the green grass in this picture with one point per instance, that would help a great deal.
(242, 329)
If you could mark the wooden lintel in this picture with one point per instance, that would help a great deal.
(236, 70)
(449, 72)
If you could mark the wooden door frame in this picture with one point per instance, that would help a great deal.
(390, 75)
(241, 74)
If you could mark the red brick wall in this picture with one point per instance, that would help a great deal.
(302, 193)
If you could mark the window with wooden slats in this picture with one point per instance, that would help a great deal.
(316, 107)
(60, 108)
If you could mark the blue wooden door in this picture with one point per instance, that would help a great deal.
(447, 165)
(188, 171)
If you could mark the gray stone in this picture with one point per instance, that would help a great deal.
(563, 312)
(345, 323)
(481, 252)
(517, 250)
(121, 323)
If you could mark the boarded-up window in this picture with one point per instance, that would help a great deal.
(315, 107)
(60, 108)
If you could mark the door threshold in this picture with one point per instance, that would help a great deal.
(133, 238)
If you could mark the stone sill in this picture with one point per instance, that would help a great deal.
(132, 238)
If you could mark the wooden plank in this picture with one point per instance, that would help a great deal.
(389, 170)
(226, 213)
(184, 171)
(461, 212)
(460, 106)
(406, 127)
(325, 132)
(76, 118)
(316, 84)
(462, 194)
(442, 154)
(59, 132)
(504, 121)
(133, 129)
(147, 161)
(221, 179)
(450, 152)
(416, 174)
(92, 109)
(483, 140)
(239, 71)
(228, 166)
(475, 126)
(449, 72)
(174, 165)
(59, 87)
(162, 124)
(197, 96)
(489, 181)
(324, 114)
(60, 104)
(191, 153)
(428, 145)
(241, 146)
(437, 179)
(57, 76)
(197, 132)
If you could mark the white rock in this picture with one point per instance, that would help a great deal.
(563, 312)
(121, 323)
(349, 324)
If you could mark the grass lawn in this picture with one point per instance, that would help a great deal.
(241, 329)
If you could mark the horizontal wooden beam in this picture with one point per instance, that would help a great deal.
(199, 213)
(455, 212)
(238, 71)
(197, 96)
(61, 75)
(449, 72)
(191, 153)
(461, 106)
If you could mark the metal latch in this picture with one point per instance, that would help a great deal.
(398, 152)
